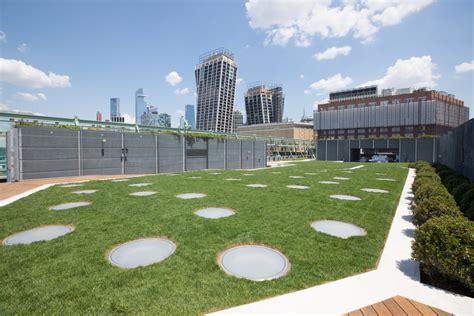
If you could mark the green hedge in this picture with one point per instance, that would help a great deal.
(451, 181)
(429, 188)
(434, 206)
(460, 190)
(445, 247)
(467, 204)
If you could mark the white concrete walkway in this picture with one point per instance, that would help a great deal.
(396, 274)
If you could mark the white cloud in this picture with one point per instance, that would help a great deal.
(335, 82)
(30, 97)
(239, 81)
(307, 91)
(23, 48)
(18, 73)
(128, 118)
(333, 52)
(173, 78)
(414, 72)
(181, 91)
(279, 36)
(464, 67)
(283, 20)
(3, 37)
(301, 76)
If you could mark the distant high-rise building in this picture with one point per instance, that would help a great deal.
(238, 120)
(150, 117)
(140, 105)
(164, 120)
(264, 104)
(190, 116)
(98, 116)
(114, 108)
(278, 104)
(216, 76)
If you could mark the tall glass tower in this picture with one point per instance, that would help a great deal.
(114, 108)
(215, 74)
(140, 105)
(190, 115)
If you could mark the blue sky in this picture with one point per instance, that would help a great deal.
(104, 49)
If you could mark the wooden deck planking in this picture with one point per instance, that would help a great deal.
(398, 305)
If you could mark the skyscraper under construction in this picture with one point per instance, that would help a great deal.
(216, 76)
(264, 104)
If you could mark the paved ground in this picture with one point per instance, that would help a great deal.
(9, 190)
(396, 274)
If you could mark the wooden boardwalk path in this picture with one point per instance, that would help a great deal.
(398, 305)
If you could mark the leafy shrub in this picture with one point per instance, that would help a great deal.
(428, 174)
(434, 206)
(421, 163)
(439, 166)
(469, 213)
(450, 182)
(444, 245)
(429, 189)
(460, 190)
(419, 182)
(466, 200)
(445, 173)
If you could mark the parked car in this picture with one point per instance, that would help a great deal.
(379, 158)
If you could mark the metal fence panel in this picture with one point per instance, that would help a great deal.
(233, 154)
(216, 154)
(140, 153)
(331, 149)
(260, 154)
(170, 153)
(101, 152)
(247, 154)
(48, 152)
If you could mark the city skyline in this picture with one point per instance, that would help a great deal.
(70, 69)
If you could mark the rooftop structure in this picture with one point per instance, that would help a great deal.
(363, 113)
(293, 130)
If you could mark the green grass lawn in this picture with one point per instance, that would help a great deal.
(71, 274)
